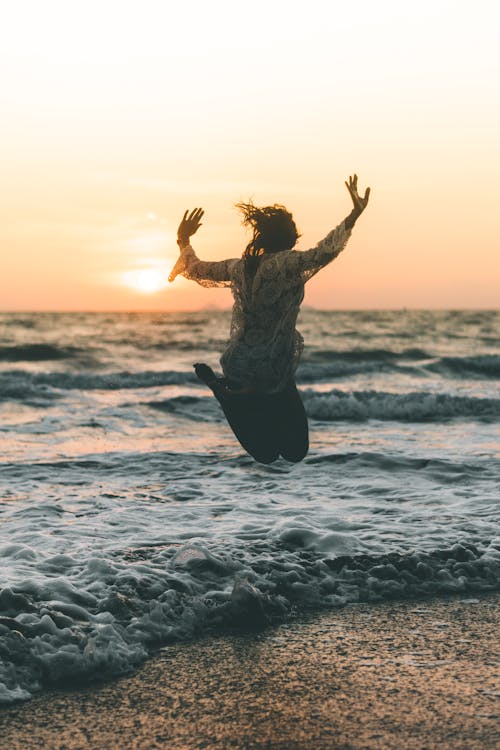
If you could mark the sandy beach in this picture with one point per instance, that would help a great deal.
(414, 674)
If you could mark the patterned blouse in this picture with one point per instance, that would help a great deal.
(264, 347)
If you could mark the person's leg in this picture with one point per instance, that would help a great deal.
(250, 418)
(292, 426)
(248, 414)
(268, 425)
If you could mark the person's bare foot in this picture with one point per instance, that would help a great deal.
(217, 385)
(205, 374)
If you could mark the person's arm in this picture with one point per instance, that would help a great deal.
(311, 261)
(206, 273)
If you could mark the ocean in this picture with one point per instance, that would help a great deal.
(130, 517)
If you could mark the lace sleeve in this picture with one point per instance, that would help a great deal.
(309, 262)
(207, 273)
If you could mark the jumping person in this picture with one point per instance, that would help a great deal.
(257, 392)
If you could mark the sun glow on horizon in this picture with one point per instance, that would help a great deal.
(145, 280)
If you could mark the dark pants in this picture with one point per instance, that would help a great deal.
(268, 424)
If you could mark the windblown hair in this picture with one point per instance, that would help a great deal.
(273, 230)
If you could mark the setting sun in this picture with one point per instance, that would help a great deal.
(145, 280)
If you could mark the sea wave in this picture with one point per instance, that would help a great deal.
(38, 352)
(22, 384)
(483, 365)
(13, 382)
(77, 620)
(197, 408)
(325, 365)
(178, 464)
(356, 406)
(26, 393)
(406, 407)
(364, 355)
(42, 388)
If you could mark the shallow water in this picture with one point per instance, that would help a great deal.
(130, 517)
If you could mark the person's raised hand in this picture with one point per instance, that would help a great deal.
(190, 223)
(360, 203)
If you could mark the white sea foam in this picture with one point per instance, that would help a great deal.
(103, 617)
(411, 407)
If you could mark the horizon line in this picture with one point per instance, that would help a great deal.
(304, 308)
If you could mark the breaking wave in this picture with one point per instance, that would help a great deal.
(102, 617)
(406, 407)
(356, 406)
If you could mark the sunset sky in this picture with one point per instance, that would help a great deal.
(117, 116)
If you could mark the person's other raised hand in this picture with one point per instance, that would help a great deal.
(360, 203)
(190, 223)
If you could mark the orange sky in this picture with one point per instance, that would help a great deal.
(117, 116)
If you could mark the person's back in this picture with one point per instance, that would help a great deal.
(264, 347)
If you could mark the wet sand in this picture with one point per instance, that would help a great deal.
(398, 675)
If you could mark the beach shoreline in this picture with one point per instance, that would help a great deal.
(415, 674)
